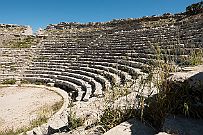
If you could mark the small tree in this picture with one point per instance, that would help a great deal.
(195, 8)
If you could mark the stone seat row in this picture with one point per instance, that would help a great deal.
(123, 64)
(74, 90)
(76, 70)
(122, 50)
(56, 74)
(104, 66)
(82, 88)
(68, 57)
(114, 65)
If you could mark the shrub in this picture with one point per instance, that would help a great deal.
(73, 121)
(22, 43)
(113, 117)
(194, 59)
(195, 8)
(13, 132)
(9, 81)
(25, 81)
(173, 98)
(57, 106)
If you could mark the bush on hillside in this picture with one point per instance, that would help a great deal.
(9, 81)
(195, 8)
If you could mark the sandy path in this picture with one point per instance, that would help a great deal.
(19, 105)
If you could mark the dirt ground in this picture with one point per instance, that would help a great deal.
(20, 105)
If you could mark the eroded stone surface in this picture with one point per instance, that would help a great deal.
(131, 127)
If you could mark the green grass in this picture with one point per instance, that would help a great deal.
(37, 82)
(196, 57)
(57, 106)
(39, 121)
(73, 121)
(21, 43)
(13, 132)
(24, 81)
(113, 117)
(9, 81)
(193, 59)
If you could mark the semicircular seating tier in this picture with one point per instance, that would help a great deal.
(96, 61)
(87, 61)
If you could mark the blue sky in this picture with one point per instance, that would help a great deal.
(40, 13)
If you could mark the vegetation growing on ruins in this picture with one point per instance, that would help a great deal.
(113, 117)
(9, 81)
(172, 98)
(73, 121)
(195, 8)
(13, 132)
(23, 81)
(57, 106)
(196, 57)
(22, 43)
